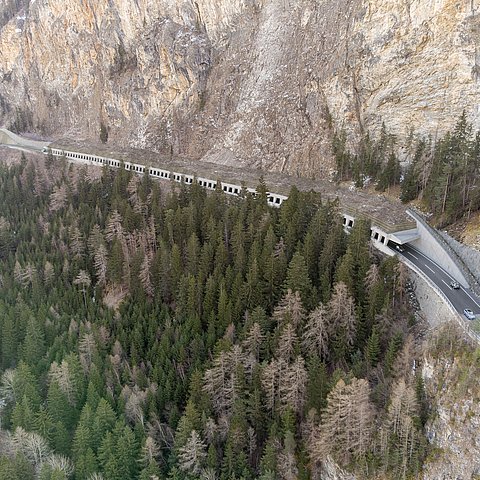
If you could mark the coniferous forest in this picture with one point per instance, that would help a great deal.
(443, 174)
(154, 331)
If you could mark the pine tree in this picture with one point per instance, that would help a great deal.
(290, 309)
(33, 348)
(8, 341)
(103, 422)
(293, 386)
(298, 280)
(372, 349)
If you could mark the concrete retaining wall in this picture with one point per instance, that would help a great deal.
(431, 245)
(454, 315)
(470, 259)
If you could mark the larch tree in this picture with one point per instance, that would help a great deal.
(252, 345)
(400, 426)
(401, 280)
(192, 455)
(58, 198)
(220, 380)
(77, 242)
(114, 228)
(145, 276)
(287, 343)
(348, 418)
(271, 374)
(290, 309)
(100, 263)
(342, 312)
(317, 331)
(293, 386)
(83, 279)
(87, 348)
(372, 277)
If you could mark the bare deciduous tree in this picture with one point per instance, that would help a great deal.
(134, 404)
(342, 311)
(32, 445)
(317, 332)
(348, 419)
(61, 375)
(87, 347)
(287, 343)
(114, 228)
(58, 198)
(193, 454)
(293, 385)
(290, 309)
(7, 385)
(83, 279)
(61, 463)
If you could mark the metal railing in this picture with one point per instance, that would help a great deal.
(459, 319)
(457, 260)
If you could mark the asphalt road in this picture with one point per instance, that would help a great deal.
(11, 140)
(460, 298)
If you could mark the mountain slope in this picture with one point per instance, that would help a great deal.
(259, 82)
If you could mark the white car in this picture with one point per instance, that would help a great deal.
(454, 284)
(399, 248)
(469, 314)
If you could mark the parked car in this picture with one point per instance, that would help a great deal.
(469, 314)
(454, 284)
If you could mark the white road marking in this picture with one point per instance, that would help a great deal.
(473, 300)
(433, 271)
(432, 261)
(447, 284)
(414, 256)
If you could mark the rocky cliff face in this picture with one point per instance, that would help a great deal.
(255, 82)
(452, 382)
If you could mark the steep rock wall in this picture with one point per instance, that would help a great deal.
(453, 387)
(253, 82)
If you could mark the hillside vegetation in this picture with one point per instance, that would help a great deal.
(442, 174)
(174, 334)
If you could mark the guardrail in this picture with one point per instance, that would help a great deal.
(463, 324)
(461, 265)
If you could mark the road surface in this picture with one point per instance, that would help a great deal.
(460, 298)
(11, 140)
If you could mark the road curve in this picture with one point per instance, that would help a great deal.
(460, 298)
(12, 140)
